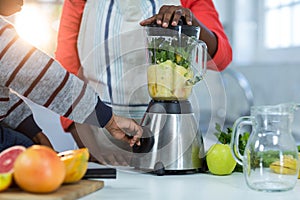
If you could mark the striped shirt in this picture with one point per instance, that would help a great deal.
(31, 73)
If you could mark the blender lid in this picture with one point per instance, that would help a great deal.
(182, 28)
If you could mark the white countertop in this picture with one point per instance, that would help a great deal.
(133, 185)
(136, 186)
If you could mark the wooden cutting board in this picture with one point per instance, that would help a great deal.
(65, 192)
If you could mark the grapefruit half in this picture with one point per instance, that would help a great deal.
(7, 159)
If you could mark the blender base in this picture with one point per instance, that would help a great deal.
(172, 143)
(162, 172)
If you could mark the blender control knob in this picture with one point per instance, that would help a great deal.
(147, 142)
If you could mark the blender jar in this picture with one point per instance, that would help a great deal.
(177, 60)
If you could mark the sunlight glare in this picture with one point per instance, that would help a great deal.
(32, 26)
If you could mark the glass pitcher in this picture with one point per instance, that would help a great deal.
(177, 61)
(270, 160)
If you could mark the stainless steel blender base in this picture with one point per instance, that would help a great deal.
(172, 143)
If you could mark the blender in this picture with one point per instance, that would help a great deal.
(172, 142)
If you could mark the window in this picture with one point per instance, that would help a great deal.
(278, 32)
(281, 19)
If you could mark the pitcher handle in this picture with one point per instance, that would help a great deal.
(236, 131)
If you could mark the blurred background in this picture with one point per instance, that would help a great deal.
(265, 37)
(38, 23)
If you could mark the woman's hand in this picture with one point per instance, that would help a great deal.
(9, 7)
(169, 14)
(125, 129)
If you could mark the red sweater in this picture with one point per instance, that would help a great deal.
(204, 11)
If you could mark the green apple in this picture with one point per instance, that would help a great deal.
(220, 160)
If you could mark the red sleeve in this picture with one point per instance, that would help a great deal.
(66, 52)
(204, 11)
(65, 123)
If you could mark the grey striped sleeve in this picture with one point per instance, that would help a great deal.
(33, 74)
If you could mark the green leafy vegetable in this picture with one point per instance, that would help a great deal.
(223, 137)
(162, 49)
(160, 56)
(267, 157)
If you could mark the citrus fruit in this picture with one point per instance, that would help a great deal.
(5, 180)
(39, 170)
(286, 165)
(76, 163)
(7, 159)
(220, 160)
